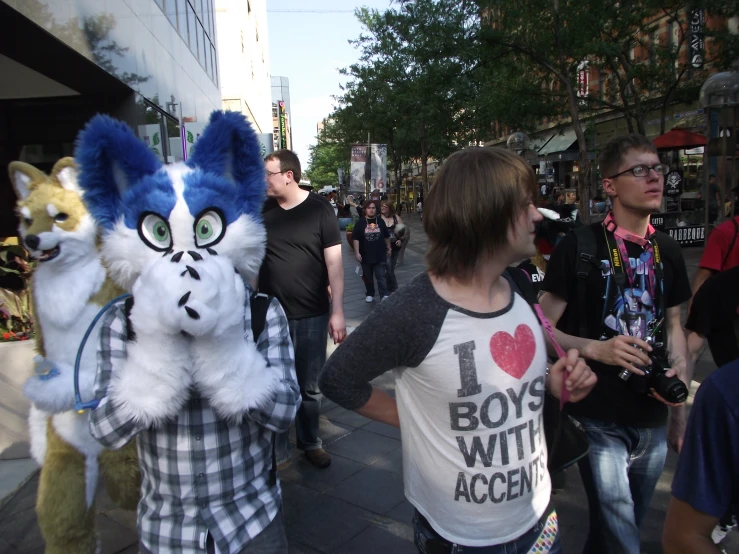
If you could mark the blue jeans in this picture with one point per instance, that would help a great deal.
(428, 541)
(620, 474)
(392, 261)
(380, 273)
(309, 337)
(271, 540)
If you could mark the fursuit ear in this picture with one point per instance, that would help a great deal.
(229, 147)
(65, 173)
(24, 176)
(110, 159)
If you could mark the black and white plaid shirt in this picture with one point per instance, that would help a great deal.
(200, 474)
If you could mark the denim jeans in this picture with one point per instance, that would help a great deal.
(271, 540)
(379, 271)
(544, 535)
(392, 261)
(309, 337)
(620, 474)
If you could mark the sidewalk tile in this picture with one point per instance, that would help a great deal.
(402, 512)
(346, 417)
(23, 499)
(114, 537)
(392, 461)
(373, 489)
(363, 446)
(319, 521)
(302, 472)
(382, 538)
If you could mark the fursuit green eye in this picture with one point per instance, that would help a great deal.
(154, 231)
(209, 228)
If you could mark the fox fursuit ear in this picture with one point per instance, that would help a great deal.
(65, 172)
(230, 148)
(111, 159)
(23, 176)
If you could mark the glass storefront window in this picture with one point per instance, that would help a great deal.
(201, 43)
(192, 27)
(171, 11)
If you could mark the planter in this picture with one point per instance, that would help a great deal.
(349, 238)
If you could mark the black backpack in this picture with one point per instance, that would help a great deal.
(565, 438)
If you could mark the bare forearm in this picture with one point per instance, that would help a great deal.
(677, 353)
(336, 282)
(568, 342)
(381, 407)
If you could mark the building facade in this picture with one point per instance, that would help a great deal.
(281, 129)
(151, 63)
(244, 60)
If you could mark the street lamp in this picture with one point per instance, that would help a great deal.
(518, 142)
(719, 97)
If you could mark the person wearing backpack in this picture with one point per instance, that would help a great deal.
(470, 365)
(609, 288)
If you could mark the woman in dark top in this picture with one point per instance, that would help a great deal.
(391, 221)
(372, 248)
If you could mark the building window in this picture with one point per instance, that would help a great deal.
(171, 10)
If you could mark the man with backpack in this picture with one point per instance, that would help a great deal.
(470, 365)
(614, 291)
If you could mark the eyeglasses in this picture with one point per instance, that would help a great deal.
(270, 173)
(642, 170)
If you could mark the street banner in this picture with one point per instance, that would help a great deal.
(283, 127)
(358, 161)
(378, 166)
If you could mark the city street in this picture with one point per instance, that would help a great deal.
(357, 505)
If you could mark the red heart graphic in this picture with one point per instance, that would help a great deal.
(514, 354)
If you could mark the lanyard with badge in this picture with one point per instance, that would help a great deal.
(624, 275)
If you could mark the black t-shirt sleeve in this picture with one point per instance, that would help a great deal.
(700, 317)
(330, 234)
(358, 233)
(680, 287)
(377, 346)
(559, 278)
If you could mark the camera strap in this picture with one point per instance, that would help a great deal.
(621, 269)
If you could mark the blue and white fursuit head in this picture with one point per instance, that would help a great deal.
(182, 238)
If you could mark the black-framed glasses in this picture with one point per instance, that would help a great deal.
(642, 170)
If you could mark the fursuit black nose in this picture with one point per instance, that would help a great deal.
(32, 241)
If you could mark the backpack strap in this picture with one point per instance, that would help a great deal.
(733, 242)
(259, 303)
(586, 261)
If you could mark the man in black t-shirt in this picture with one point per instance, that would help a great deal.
(625, 423)
(303, 258)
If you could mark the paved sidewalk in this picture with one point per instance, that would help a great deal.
(357, 505)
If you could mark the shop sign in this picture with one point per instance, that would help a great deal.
(283, 127)
(697, 25)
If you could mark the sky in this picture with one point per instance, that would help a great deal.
(309, 49)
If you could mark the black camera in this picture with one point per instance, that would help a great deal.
(672, 389)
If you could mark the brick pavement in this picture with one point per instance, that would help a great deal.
(357, 505)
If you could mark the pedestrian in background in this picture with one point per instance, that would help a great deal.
(391, 222)
(371, 249)
(302, 232)
(470, 365)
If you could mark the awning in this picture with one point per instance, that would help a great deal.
(559, 143)
(679, 138)
(537, 143)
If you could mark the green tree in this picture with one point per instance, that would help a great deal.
(326, 157)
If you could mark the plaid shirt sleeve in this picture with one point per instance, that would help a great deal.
(275, 346)
(106, 424)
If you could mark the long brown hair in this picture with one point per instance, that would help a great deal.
(391, 209)
(475, 199)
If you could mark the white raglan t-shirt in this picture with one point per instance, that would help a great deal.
(470, 394)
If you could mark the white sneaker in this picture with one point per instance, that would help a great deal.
(369, 299)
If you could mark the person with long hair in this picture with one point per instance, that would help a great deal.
(392, 221)
(371, 241)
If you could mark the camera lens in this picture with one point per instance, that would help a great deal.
(671, 389)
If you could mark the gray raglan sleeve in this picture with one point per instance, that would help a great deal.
(399, 332)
